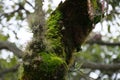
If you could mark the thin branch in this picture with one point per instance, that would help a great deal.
(6, 14)
(110, 67)
(103, 43)
(13, 69)
(30, 4)
(11, 47)
(20, 8)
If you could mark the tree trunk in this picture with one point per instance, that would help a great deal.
(48, 56)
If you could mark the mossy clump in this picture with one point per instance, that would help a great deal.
(46, 66)
(53, 34)
(51, 62)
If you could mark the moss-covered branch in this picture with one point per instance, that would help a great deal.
(49, 54)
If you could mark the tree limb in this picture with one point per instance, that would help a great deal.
(11, 47)
(13, 69)
(30, 4)
(103, 43)
(110, 67)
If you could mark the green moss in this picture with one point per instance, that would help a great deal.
(47, 65)
(53, 24)
(53, 30)
(50, 62)
(54, 35)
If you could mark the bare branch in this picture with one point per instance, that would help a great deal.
(110, 67)
(21, 7)
(30, 4)
(6, 14)
(103, 43)
(11, 47)
(13, 69)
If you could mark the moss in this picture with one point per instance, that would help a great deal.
(50, 62)
(53, 24)
(47, 65)
(53, 34)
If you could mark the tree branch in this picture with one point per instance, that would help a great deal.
(11, 47)
(103, 43)
(13, 69)
(21, 7)
(110, 67)
(30, 4)
(6, 14)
